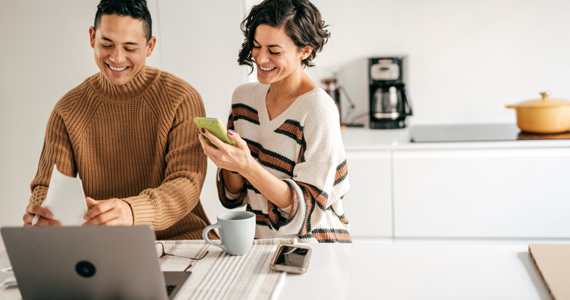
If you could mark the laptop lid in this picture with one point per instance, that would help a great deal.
(89, 262)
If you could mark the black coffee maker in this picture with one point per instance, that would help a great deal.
(389, 104)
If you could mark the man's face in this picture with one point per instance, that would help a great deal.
(120, 47)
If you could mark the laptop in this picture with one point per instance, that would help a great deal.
(88, 262)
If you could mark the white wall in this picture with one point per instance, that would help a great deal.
(466, 60)
(45, 52)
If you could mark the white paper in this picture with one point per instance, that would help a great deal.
(65, 199)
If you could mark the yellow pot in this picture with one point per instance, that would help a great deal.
(543, 115)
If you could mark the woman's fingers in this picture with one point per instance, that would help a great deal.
(213, 139)
(240, 143)
(226, 156)
(202, 140)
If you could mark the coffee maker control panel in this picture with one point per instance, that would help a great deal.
(385, 70)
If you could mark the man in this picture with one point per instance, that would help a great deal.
(129, 133)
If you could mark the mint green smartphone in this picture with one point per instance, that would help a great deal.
(216, 127)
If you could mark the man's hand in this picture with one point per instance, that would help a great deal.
(45, 216)
(112, 212)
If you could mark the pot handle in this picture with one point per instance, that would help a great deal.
(510, 106)
(544, 94)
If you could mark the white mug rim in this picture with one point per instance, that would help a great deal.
(228, 216)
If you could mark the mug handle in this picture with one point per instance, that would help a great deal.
(205, 235)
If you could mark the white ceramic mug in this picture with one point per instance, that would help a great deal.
(237, 230)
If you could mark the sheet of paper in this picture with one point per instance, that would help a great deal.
(65, 199)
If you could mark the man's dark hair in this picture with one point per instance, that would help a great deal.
(135, 9)
(300, 18)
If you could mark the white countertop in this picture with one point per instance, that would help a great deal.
(413, 271)
(417, 271)
(362, 139)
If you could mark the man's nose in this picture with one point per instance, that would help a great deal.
(118, 56)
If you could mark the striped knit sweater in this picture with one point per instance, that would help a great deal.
(303, 147)
(135, 142)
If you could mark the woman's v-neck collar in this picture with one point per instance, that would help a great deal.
(280, 119)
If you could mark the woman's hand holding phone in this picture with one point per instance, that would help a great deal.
(216, 127)
(238, 159)
(230, 159)
(232, 156)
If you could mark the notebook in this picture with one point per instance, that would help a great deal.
(88, 262)
(553, 262)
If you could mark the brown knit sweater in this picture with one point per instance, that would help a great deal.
(136, 142)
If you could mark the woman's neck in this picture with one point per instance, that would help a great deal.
(291, 87)
(283, 93)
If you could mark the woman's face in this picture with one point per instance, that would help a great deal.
(275, 54)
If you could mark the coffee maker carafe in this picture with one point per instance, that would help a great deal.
(389, 104)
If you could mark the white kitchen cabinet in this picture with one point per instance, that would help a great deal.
(368, 203)
(482, 193)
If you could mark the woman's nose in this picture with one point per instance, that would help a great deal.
(262, 56)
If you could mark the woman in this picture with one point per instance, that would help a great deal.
(288, 165)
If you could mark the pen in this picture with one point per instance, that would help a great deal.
(35, 220)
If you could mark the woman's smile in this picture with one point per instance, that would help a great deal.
(267, 69)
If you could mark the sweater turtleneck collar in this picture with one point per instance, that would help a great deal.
(131, 90)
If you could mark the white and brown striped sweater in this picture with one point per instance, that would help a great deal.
(303, 147)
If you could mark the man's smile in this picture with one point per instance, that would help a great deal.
(118, 69)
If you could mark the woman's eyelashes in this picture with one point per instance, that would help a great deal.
(270, 52)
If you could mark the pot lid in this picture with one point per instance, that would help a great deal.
(544, 102)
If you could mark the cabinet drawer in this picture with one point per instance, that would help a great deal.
(513, 193)
(368, 203)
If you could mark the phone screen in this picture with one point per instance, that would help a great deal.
(292, 257)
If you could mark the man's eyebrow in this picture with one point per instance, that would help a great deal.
(127, 43)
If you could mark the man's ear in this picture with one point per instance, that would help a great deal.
(150, 46)
(92, 36)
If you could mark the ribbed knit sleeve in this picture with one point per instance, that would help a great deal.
(318, 180)
(185, 171)
(56, 150)
(224, 195)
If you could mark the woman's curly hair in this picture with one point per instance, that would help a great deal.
(300, 18)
